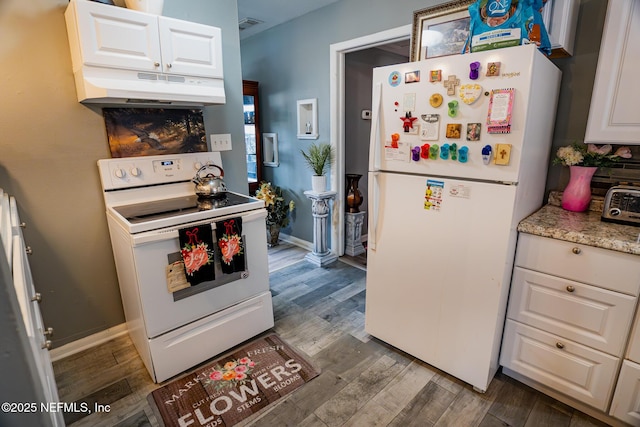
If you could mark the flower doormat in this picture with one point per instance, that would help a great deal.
(233, 387)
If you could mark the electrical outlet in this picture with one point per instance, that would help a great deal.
(220, 141)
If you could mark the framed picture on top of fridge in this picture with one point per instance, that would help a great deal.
(440, 30)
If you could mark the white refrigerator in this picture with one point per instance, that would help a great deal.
(442, 222)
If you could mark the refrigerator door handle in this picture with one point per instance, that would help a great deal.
(374, 139)
(374, 200)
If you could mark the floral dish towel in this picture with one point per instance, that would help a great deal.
(196, 248)
(229, 234)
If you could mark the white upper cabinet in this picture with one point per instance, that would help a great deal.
(614, 116)
(116, 37)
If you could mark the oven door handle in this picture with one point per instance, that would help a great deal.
(172, 232)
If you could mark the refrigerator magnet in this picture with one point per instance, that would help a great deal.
(407, 123)
(453, 108)
(435, 100)
(453, 151)
(463, 154)
(486, 154)
(435, 76)
(500, 108)
(474, 70)
(493, 69)
(429, 127)
(503, 154)
(444, 152)
(470, 93)
(454, 130)
(433, 195)
(395, 78)
(451, 84)
(415, 154)
(433, 152)
(473, 131)
(412, 77)
(424, 151)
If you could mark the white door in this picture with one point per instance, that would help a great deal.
(190, 49)
(117, 37)
(438, 275)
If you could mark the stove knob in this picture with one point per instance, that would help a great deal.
(614, 211)
(136, 171)
(120, 173)
(197, 165)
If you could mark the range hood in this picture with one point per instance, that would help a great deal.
(96, 85)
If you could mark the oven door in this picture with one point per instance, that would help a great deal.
(162, 310)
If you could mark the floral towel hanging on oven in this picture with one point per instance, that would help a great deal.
(229, 234)
(196, 248)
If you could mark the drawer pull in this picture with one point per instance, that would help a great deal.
(48, 332)
(560, 345)
(37, 297)
(46, 344)
(570, 288)
(576, 251)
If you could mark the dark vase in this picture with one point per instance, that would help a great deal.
(354, 196)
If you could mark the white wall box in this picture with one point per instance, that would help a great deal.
(270, 149)
(307, 118)
(614, 116)
(142, 55)
(560, 18)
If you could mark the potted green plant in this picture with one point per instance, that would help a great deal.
(319, 158)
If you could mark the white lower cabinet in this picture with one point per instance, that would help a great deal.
(626, 401)
(568, 324)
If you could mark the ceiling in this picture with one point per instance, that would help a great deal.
(274, 12)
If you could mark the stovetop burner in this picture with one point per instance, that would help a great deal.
(160, 209)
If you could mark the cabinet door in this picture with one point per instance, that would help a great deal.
(578, 371)
(190, 49)
(614, 116)
(117, 37)
(626, 401)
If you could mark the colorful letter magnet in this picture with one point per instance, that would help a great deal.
(433, 152)
(444, 152)
(463, 154)
(453, 108)
(415, 153)
(486, 154)
(475, 68)
(453, 151)
(424, 151)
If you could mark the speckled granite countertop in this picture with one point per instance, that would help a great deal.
(581, 227)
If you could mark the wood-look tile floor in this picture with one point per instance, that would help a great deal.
(364, 382)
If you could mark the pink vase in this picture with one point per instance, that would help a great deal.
(577, 195)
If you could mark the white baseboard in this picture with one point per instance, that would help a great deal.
(295, 241)
(88, 342)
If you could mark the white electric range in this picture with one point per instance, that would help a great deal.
(148, 200)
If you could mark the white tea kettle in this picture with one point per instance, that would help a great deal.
(210, 185)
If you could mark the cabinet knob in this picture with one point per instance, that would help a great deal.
(46, 344)
(37, 297)
(576, 251)
(560, 345)
(156, 64)
(570, 288)
(48, 332)
(23, 225)
(169, 65)
(28, 250)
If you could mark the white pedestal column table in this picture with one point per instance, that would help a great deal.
(320, 209)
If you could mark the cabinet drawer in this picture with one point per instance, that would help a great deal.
(580, 372)
(626, 400)
(589, 315)
(605, 268)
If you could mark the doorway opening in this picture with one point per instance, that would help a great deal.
(338, 52)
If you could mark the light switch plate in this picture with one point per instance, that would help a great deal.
(220, 141)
